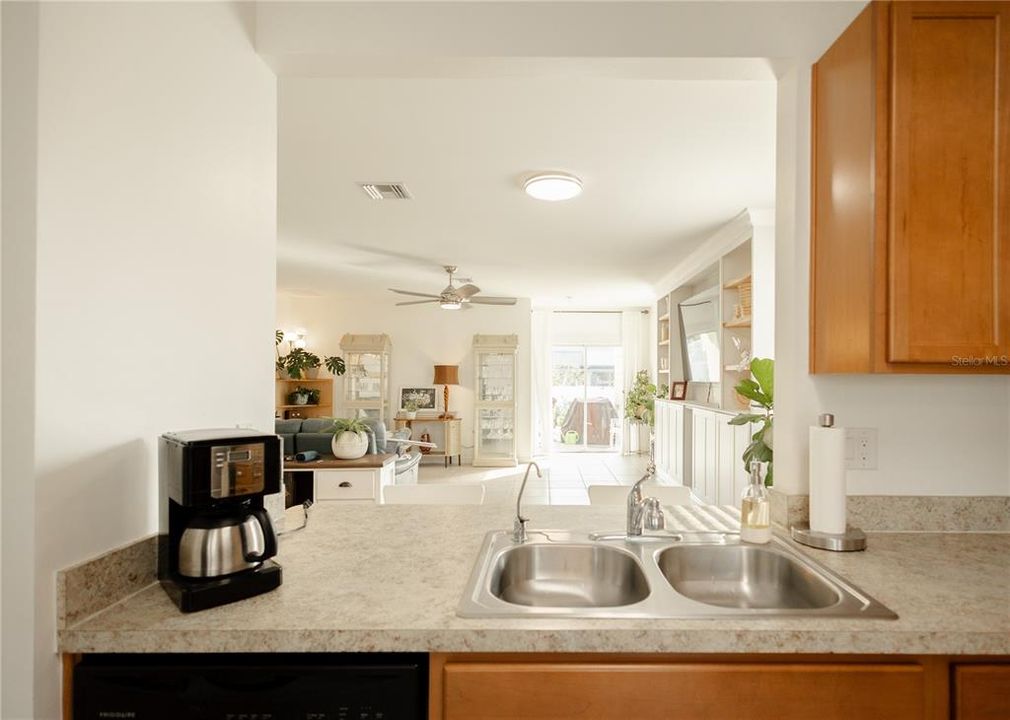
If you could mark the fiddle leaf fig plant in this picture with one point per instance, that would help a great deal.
(760, 390)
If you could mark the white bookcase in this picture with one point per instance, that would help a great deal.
(495, 424)
(366, 382)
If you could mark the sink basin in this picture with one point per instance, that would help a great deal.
(565, 574)
(568, 576)
(744, 576)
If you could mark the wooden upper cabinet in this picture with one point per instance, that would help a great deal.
(910, 255)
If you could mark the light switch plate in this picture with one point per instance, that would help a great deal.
(861, 448)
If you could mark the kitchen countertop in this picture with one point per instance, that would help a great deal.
(389, 578)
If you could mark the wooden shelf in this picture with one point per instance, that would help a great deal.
(304, 380)
(733, 284)
(306, 406)
(743, 323)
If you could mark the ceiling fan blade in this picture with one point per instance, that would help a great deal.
(467, 291)
(417, 302)
(485, 300)
(417, 294)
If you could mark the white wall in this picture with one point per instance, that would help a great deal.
(17, 385)
(422, 336)
(156, 262)
(938, 435)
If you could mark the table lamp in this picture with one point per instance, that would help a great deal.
(446, 375)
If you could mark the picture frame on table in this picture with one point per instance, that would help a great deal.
(425, 397)
(678, 391)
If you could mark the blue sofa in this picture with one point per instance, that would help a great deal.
(302, 435)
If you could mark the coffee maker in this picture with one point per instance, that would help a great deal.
(215, 538)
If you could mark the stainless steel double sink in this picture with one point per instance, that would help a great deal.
(678, 575)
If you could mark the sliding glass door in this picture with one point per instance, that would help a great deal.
(586, 398)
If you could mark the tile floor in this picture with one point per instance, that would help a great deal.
(564, 481)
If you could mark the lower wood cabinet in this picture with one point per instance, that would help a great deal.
(981, 692)
(710, 687)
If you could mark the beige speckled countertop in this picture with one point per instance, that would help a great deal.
(382, 578)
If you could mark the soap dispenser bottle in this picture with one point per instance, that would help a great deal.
(755, 509)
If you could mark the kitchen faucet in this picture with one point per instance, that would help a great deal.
(519, 527)
(643, 511)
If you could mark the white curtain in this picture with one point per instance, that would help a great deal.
(634, 343)
(540, 351)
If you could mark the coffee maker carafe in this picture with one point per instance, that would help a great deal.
(216, 539)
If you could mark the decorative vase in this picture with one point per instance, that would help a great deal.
(349, 445)
(298, 399)
(311, 373)
(410, 414)
(425, 437)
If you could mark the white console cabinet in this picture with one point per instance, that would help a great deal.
(697, 447)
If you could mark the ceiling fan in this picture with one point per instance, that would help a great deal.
(455, 298)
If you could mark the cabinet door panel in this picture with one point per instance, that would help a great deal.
(726, 465)
(693, 691)
(982, 692)
(948, 245)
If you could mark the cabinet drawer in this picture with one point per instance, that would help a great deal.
(345, 485)
(693, 691)
(982, 692)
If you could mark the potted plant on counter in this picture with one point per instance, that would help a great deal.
(350, 438)
(760, 391)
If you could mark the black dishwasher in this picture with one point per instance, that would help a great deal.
(261, 686)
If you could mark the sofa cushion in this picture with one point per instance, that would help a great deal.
(316, 425)
(287, 427)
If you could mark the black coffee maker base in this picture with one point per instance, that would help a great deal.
(194, 595)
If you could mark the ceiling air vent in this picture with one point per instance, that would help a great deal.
(386, 191)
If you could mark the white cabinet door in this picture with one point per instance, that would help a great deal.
(741, 439)
(661, 429)
(676, 447)
(704, 454)
(726, 465)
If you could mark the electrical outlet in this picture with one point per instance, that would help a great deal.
(861, 448)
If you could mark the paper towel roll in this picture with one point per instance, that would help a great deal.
(827, 479)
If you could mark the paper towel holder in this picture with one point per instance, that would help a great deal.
(851, 540)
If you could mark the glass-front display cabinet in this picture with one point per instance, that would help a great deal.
(495, 400)
(366, 382)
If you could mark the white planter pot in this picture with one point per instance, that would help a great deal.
(349, 445)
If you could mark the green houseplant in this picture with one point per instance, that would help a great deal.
(760, 390)
(640, 401)
(350, 438)
(335, 364)
(304, 396)
(410, 409)
(301, 363)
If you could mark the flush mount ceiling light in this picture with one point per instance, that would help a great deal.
(553, 186)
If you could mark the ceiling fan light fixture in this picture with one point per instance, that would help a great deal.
(450, 305)
(553, 186)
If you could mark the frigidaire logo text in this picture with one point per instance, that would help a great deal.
(116, 714)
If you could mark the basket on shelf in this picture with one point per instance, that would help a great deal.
(745, 297)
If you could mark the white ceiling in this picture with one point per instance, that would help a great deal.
(664, 163)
